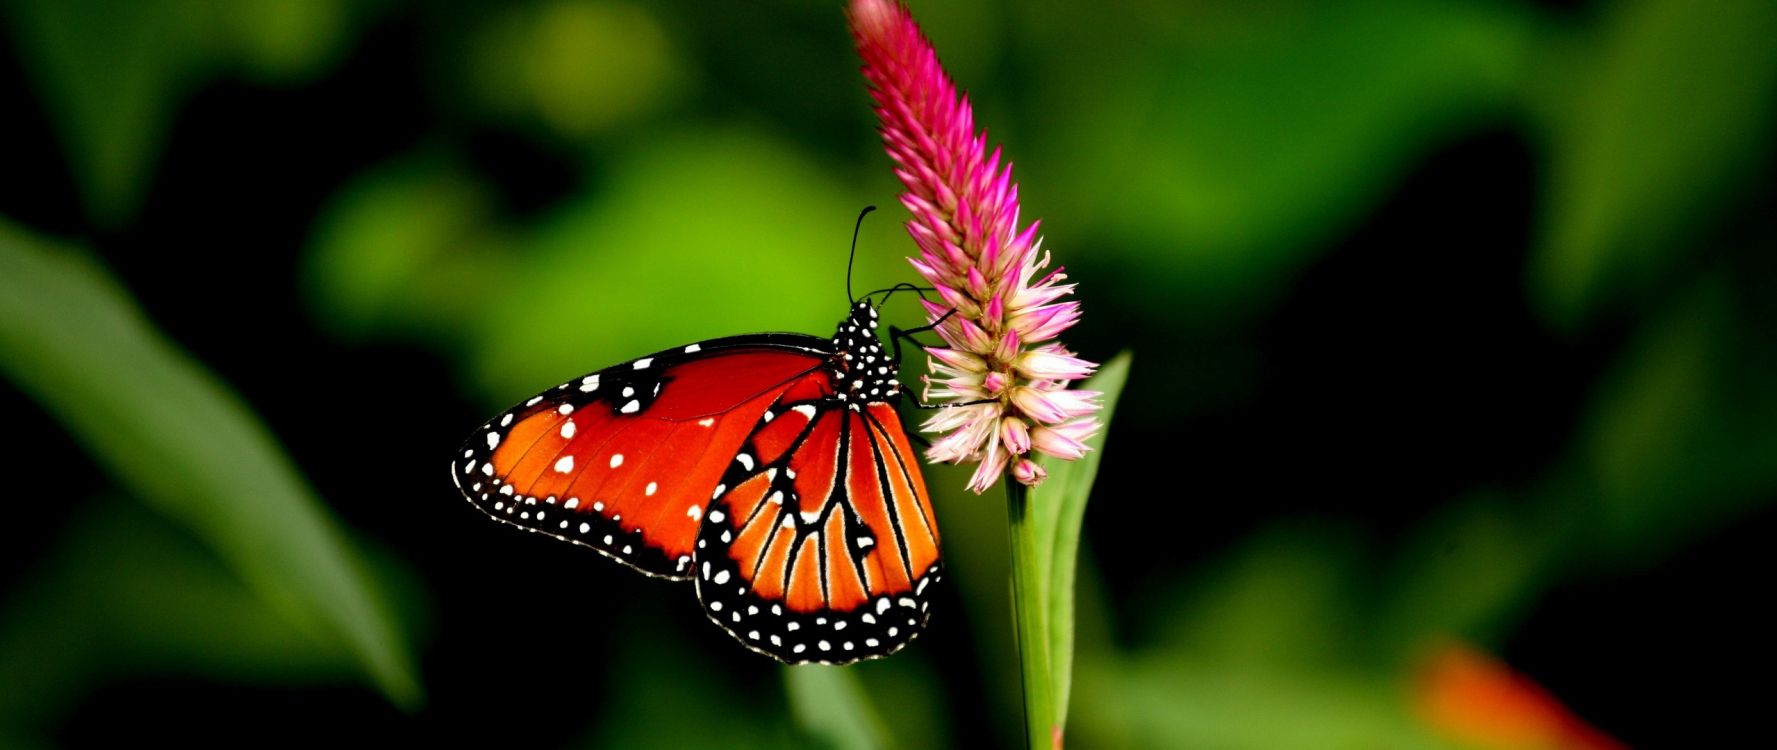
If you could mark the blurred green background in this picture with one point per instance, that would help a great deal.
(1454, 321)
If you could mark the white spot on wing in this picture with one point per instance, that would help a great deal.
(493, 440)
(695, 512)
(565, 465)
(693, 349)
(642, 364)
(589, 383)
(706, 421)
(565, 409)
(632, 407)
(616, 460)
(650, 489)
(567, 430)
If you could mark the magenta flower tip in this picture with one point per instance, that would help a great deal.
(1001, 355)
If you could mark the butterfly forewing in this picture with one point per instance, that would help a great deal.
(624, 460)
(821, 544)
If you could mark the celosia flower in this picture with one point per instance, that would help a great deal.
(1004, 376)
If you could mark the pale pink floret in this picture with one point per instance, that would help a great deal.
(1003, 311)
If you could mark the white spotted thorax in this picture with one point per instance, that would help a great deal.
(863, 372)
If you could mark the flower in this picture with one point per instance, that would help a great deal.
(1003, 375)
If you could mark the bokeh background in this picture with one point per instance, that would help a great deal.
(1454, 325)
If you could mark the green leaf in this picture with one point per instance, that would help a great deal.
(553, 61)
(1165, 699)
(1680, 433)
(126, 594)
(112, 74)
(697, 234)
(1060, 505)
(180, 440)
(1045, 540)
(830, 706)
(1669, 113)
(394, 252)
(660, 693)
(1243, 137)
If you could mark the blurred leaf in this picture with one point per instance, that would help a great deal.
(1172, 700)
(1060, 510)
(1286, 600)
(1224, 143)
(1681, 434)
(1466, 572)
(113, 74)
(181, 441)
(557, 60)
(662, 694)
(1267, 651)
(831, 707)
(126, 595)
(903, 688)
(286, 40)
(394, 252)
(698, 234)
(1668, 112)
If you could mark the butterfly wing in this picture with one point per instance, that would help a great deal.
(821, 543)
(624, 460)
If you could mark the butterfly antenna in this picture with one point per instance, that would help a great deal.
(903, 286)
(850, 300)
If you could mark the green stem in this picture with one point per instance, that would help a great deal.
(1030, 618)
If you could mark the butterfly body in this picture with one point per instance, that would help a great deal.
(769, 468)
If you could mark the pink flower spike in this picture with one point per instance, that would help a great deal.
(1028, 473)
(1001, 326)
(1047, 363)
(1058, 442)
(1016, 435)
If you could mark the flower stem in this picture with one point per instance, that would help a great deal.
(1030, 619)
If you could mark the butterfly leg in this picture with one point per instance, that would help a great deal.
(896, 333)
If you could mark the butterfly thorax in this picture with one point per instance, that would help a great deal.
(862, 371)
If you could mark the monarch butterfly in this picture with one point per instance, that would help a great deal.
(771, 469)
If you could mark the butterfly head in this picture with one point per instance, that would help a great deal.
(863, 371)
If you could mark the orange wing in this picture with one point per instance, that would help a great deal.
(820, 543)
(623, 460)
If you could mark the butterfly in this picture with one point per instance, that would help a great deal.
(770, 469)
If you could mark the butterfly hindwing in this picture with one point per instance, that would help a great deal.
(821, 544)
(623, 460)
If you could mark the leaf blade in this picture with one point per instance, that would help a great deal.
(182, 442)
